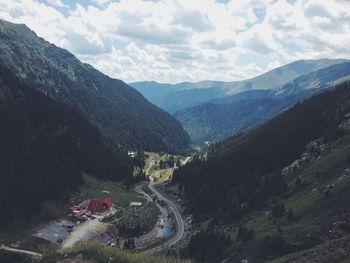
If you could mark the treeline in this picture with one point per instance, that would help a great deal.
(241, 172)
(44, 148)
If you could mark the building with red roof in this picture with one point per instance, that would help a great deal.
(100, 206)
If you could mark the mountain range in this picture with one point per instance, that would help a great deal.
(273, 183)
(213, 110)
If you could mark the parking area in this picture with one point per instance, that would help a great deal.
(54, 231)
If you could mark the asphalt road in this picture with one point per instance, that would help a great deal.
(179, 221)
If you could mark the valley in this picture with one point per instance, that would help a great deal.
(212, 111)
(155, 225)
(174, 131)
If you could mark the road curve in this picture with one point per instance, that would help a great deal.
(179, 221)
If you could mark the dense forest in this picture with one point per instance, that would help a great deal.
(119, 111)
(236, 175)
(44, 148)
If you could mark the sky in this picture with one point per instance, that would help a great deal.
(188, 40)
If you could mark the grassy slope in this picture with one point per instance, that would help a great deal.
(320, 253)
(93, 189)
(98, 253)
(154, 171)
(313, 212)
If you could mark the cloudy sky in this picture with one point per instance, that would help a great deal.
(188, 40)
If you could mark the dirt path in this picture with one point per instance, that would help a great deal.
(21, 251)
(84, 232)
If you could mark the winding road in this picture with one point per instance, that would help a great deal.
(179, 221)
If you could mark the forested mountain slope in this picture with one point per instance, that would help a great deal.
(44, 148)
(220, 118)
(244, 169)
(118, 110)
(279, 192)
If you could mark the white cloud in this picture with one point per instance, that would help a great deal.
(101, 2)
(57, 3)
(189, 40)
(259, 39)
(192, 19)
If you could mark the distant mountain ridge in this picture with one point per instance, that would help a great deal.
(213, 110)
(223, 117)
(171, 97)
(118, 110)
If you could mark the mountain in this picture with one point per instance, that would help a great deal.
(220, 118)
(213, 110)
(278, 189)
(119, 111)
(175, 97)
(247, 157)
(45, 146)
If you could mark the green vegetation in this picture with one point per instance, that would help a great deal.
(175, 97)
(214, 110)
(97, 189)
(137, 221)
(243, 171)
(163, 175)
(206, 245)
(321, 253)
(47, 145)
(132, 221)
(271, 213)
(160, 166)
(14, 257)
(21, 237)
(120, 112)
(69, 119)
(220, 118)
(99, 253)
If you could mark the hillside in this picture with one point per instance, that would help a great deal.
(90, 252)
(278, 189)
(118, 110)
(98, 253)
(45, 146)
(221, 118)
(176, 97)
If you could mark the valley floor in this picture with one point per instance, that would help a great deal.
(157, 222)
